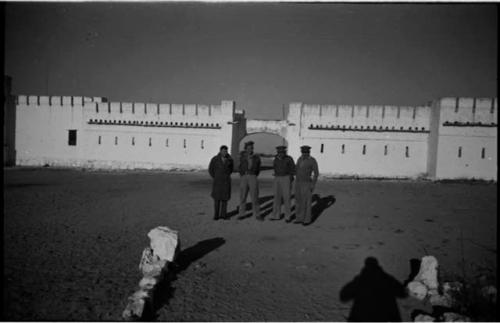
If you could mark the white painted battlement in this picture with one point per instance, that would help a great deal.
(100, 108)
(468, 110)
(161, 111)
(361, 115)
(463, 102)
(55, 100)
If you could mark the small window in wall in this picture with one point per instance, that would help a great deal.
(166, 143)
(322, 148)
(459, 152)
(184, 143)
(116, 141)
(72, 137)
(343, 148)
(133, 141)
(99, 140)
(364, 149)
(385, 150)
(483, 151)
(149, 141)
(407, 152)
(202, 144)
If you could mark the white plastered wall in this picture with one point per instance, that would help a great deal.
(43, 124)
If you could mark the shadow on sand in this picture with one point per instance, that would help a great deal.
(164, 290)
(319, 204)
(265, 202)
(414, 268)
(374, 293)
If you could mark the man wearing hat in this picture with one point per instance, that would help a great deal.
(305, 184)
(220, 169)
(284, 170)
(249, 170)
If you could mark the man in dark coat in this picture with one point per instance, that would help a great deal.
(220, 169)
(249, 170)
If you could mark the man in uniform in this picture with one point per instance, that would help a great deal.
(249, 170)
(220, 169)
(284, 170)
(304, 185)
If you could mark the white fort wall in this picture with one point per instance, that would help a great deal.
(450, 138)
(453, 138)
(466, 139)
(120, 135)
(369, 141)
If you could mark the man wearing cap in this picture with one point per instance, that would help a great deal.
(249, 170)
(220, 169)
(284, 170)
(304, 185)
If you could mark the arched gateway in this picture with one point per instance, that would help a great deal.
(274, 127)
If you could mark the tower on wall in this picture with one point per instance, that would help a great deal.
(463, 140)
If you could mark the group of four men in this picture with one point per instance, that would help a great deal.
(304, 172)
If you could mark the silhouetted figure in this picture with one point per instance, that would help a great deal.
(374, 293)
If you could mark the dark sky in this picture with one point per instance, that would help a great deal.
(262, 55)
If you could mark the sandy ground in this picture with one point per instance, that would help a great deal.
(73, 241)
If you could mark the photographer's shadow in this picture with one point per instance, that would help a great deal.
(374, 293)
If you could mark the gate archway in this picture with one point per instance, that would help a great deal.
(276, 129)
(265, 146)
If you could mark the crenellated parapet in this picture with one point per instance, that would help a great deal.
(140, 109)
(469, 112)
(42, 100)
(99, 111)
(361, 118)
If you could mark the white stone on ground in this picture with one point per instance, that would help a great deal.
(135, 306)
(164, 242)
(428, 273)
(151, 265)
(417, 290)
(154, 260)
(147, 283)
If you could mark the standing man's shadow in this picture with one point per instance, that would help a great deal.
(265, 203)
(319, 204)
(374, 293)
